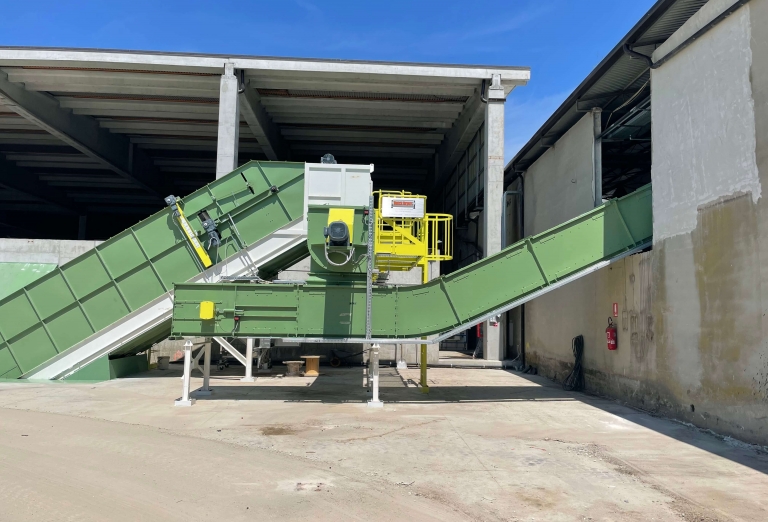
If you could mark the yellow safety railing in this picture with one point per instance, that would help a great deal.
(401, 243)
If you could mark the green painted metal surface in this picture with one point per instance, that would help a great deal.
(76, 300)
(269, 310)
(104, 368)
(15, 276)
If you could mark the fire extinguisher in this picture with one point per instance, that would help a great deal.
(611, 335)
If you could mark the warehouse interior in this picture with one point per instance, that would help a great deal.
(158, 118)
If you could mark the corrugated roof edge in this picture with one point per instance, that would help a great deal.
(656, 12)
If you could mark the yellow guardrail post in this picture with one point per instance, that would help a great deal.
(423, 358)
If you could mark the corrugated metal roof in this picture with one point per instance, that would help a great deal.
(614, 80)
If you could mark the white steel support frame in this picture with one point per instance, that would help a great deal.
(492, 193)
(231, 349)
(185, 399)
(229, 122)
(249, 342)
(401, 364)
(373, 376)
(205, 390)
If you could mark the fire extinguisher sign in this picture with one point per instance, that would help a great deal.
(615, 309)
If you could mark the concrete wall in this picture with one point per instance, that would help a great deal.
(710, 160)
(558, 187)
(46, 251)
(693, 334)
(25, 260)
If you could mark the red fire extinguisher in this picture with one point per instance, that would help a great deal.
(611, 335)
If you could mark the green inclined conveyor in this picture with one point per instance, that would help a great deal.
(120, 297)
(328, 306)
(116, 298)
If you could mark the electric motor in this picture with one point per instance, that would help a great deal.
(337, 233)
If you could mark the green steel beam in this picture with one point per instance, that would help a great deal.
(338, 311)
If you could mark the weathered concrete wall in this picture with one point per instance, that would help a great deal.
(710, 161)
(559, 187)
(47, 251)
(24, 260)
(693, 333)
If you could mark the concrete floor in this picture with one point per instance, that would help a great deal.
(483, 445)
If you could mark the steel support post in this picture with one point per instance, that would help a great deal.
(373, 372)
(423, 358)
(229, 122)
(249, 360)
(206, 390)
(185, 398)
(401, 364)
(493, 190)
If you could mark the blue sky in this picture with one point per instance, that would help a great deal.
(561, 40)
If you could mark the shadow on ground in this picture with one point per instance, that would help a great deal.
(346, 385)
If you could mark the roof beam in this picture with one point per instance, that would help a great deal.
(460, 135)
(266, 131)
(18, 180)
(83, 133)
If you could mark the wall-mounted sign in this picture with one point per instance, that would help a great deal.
(402, 207)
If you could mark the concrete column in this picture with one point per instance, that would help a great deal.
(229, 122)
(597, 156)
(493, 190)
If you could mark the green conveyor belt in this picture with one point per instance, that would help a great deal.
(77, 300)
(448, 302)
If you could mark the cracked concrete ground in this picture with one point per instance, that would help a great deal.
(482, 445)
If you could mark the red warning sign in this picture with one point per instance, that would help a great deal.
(615, 309)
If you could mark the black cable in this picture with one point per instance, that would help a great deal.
(575, 380)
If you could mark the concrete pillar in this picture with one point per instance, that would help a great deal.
(597, 156)
(493, 190)
(229, 122)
